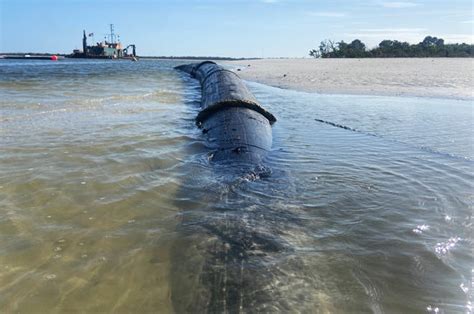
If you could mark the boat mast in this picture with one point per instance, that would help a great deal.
(84, 42)
(112, 35)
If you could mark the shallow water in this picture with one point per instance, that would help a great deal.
(109, 202)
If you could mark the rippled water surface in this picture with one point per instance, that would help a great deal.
(109, 202)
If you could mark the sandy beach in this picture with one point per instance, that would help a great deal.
(427, 77)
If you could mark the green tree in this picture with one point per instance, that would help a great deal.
(356, 49)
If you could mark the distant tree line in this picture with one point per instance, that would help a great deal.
(429, 47)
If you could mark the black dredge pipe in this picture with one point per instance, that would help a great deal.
(236, 126)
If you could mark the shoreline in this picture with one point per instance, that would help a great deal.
(343, 93)
(449, 78)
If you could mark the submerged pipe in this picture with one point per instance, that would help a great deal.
(233, 251)
(237, 127)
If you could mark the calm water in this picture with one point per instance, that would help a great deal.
(108, 202)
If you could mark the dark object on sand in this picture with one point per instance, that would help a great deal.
(236, 126)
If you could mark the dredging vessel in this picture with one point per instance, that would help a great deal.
(110, 48)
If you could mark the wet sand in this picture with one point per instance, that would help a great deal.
(425, 77)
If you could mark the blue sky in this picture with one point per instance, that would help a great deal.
(236, 28)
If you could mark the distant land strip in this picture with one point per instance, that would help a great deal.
(141, 57)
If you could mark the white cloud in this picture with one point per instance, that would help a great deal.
(458, 38)
(393, 30)
(327, 14)
(468, 22)
(375, 35)
(398, 4)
